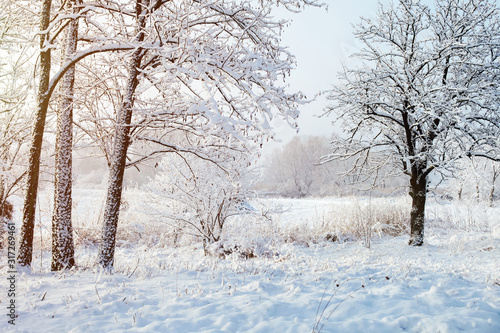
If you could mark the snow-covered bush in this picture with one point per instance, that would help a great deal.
(197, 197)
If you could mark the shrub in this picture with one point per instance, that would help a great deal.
(197, 197)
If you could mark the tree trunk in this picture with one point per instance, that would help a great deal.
(63, 253)
(494, 177)
(418, 192)
(117, 168)
(26, 242)
(120, 147)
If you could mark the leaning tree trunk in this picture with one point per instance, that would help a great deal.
(118, 163)
(418, 192)
(120, 147)
(26, 242)
(63, 252)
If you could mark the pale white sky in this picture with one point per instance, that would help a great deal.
(321, 40)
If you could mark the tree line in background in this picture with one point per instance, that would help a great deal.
(201, 81)
(295, 171)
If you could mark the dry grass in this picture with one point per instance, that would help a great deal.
(269, 227)
(352, 220)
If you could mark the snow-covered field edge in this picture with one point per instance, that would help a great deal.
(295, 280)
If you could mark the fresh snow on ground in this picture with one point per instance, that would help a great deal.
(451, 284)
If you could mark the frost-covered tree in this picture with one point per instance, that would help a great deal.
(197, 197)
(294, 170)
(26, 241)
(494, 176)
(476, 180)
(53, 22)
(208, 69)
(16, 66)
(424, 94)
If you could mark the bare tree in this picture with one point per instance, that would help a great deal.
(197, 197)
(294, 170)
(424, 94)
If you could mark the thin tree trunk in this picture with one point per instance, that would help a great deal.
(418, 188)
(117, 168)
(478, 193)
(63, 253)
(121, 143)
(1, 194)
(26, 242)
(496, 173)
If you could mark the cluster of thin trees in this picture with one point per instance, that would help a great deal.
(138, 78)
(295, 171)
(202, 80)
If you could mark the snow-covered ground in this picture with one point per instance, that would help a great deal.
(450, 284)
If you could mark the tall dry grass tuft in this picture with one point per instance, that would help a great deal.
(357, 219)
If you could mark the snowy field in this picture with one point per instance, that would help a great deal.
(295, 281)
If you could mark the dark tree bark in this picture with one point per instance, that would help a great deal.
(418, 192)
(63, 253)
(45, 90)
(26, 242)
(117, 168)
(418, 179)
(120, 147)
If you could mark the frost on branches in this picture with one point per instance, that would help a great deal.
(207, 74)
(425, 94)
(212, 69)
(16, 54)
(196, 197)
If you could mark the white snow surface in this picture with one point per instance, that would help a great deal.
(451, 284)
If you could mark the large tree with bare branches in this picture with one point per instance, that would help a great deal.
(424, 95)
